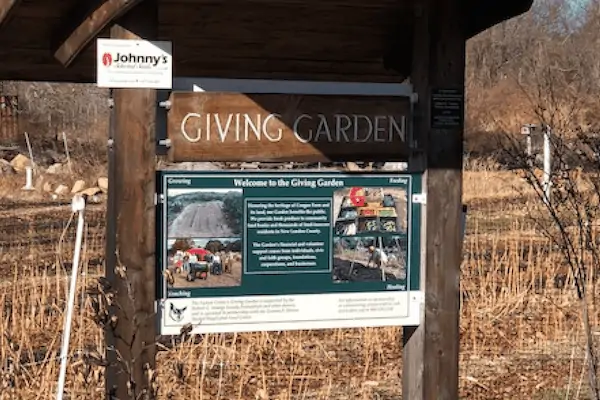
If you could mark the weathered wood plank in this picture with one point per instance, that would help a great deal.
(430, 358)
(7, 9)
(132, 184)
(43, 9)
(39, 65)
(295, 3)
(308, 17)
(329, 47)
(90, 27)
(278, 127)
(298, 66)
(35, 27)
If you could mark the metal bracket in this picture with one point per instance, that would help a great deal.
(419, 198)
(165, 142)
(159, 199)
(166, 104)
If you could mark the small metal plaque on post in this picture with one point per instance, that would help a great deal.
(447, 108)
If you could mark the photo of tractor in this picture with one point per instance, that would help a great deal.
(203, 262)
(370, 210)
(199, 268)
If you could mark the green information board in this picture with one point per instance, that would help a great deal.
(241, 251)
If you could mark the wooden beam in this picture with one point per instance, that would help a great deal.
(431, 350)
(90, 27)
(131, 343)
(7, 8)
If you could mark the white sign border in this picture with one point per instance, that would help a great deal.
(416, 298)
(163, 45)
(412, 317)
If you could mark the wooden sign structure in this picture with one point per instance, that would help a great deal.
(218, 126)
(382, 41)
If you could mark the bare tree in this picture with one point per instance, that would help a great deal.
(570, 219)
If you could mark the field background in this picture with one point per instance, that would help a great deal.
(521, 334)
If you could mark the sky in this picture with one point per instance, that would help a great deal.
(577, 7)
(574, 9)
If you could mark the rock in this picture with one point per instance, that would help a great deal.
(95, 199)
(189, 166)
(78, 186)
(395, 166)
(352, 166)
(248, 165)
(55, 169)
(61, 189)
(91, 191)
(39, 183)
(103, 184)
(47, 187)
(6, 168)
(20, 162)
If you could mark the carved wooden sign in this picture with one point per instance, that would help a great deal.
(215, 126)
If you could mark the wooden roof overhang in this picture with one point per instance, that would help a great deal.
(346, 40)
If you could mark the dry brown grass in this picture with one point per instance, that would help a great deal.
(520, 336)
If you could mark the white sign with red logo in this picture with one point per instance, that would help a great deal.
(134, 64)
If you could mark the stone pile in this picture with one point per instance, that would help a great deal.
(49, 180)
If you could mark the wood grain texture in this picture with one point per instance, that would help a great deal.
(90, 27)
(278, 127)
(132, 186)
(7, 8)
(291, 39)
(310, 41)
(431, 351)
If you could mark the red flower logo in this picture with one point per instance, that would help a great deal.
(107, 59)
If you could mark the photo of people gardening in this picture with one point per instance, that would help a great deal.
(370, 234)
(200, 262)
(366, 259)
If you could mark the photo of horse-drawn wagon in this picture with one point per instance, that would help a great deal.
(203, 263)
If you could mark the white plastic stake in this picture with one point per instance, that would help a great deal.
(28, 178)
(29, 149)
(546, 183)
(78, 206)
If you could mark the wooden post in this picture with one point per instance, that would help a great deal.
(131, 222)
(430, 356)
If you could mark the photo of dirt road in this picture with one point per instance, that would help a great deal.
(204, 213)
(204, 263)
(369, 259)
(203, 219)
(370, 210)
